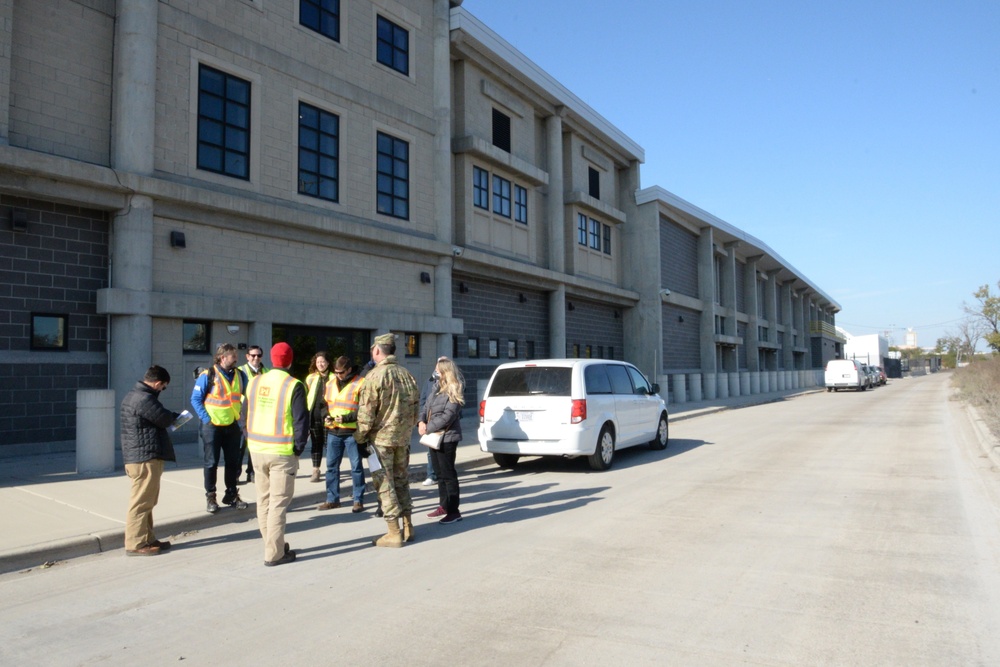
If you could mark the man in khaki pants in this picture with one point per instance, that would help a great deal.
(277, 430)
(145, 446)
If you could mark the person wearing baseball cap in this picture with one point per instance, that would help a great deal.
(277, 431)
(387, 413)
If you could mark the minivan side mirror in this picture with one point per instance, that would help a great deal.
(656, 388)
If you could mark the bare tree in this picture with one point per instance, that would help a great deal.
(986, 313)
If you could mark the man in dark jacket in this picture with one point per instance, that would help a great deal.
(145, 446)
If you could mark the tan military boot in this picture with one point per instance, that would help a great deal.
(391, 539)
(407, 527)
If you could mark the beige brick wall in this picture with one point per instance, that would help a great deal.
(60, 89)
(287, 62)
(256, 267)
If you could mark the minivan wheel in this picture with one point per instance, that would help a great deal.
(604, 452)
(506, 461)
(662, 434)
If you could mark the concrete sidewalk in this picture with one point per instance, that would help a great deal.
(51, 513)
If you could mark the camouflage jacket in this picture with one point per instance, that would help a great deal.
(387, 405)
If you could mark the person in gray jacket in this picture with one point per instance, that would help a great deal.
(146, 445)
(442, 413)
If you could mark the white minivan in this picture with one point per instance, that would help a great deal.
(569, 407)
(845, 374)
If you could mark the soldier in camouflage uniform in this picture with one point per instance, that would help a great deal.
(387, 412)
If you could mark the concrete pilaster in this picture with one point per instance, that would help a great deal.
(753, 319)
(259, 333)
(442, 301)
(557, 323)
(787, 352)
(642, 324)
(706, 292)
(134, 98)
(555, 208)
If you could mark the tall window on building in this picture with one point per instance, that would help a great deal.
(393, 48)
(480, 188)
(223, 123)
(501, 196)
(319, 133)
(501, 130)
(581, 229)
(393, 176)
(607, 239)
(520, 204)
(594, 183)
(717, 266)
(323, 16)
(595, 234)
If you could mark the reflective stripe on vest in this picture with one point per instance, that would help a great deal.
(222, 402)
(269, 414)
(345, 401)
(312, 383)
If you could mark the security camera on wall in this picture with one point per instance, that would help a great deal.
(457, 251)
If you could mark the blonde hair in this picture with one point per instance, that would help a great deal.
(451, 382)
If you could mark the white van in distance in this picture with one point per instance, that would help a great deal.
(569, 407)
(845, 374)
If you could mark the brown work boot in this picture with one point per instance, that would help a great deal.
(391, 539)
(407, 527)
(145, 550)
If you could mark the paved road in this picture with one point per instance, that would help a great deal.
(832, 529)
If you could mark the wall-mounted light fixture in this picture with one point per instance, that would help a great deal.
(680, 318)
(233, 329)
(618, 314)
(463, 288)
(177, 240)
(425, 277)
(521, 298)
(18, 220)
(570, 306)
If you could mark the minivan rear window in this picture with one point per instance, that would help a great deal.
(532, 381)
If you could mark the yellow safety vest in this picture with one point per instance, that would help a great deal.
(344, 401)
(222, 402)
(269, 413)
(312, 384)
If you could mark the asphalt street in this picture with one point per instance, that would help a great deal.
(829, 529)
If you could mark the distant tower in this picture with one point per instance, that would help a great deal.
(911, 338)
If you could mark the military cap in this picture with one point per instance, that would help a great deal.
(385, 339)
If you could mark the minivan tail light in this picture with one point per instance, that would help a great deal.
(482, 411)
(578, 412)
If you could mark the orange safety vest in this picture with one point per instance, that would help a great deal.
(222, 402)
(344, 401)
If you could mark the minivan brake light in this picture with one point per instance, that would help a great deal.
(578, 411)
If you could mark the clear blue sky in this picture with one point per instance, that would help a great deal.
(859, 140)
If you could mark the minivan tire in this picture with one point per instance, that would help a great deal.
(659, 442)
(604, 453)
(506, 461)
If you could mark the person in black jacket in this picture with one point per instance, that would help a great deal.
(443, 413)
(145, 446)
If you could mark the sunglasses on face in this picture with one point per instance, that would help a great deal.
(253, 355)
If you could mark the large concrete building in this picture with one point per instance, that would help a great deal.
(178, 174)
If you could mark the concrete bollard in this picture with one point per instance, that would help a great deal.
(695, 394)
(680, 390)
(95, 431)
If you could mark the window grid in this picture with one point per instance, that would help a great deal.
(480, 188)
(393, 178)
(501, 196)
(393, 47)
(319, 153)
(223, 123)
(520, 204)
(581, 229)
(607, 239)
(323, 16)
(595, 234)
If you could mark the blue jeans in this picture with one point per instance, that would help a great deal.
(335, 447)
(430, 466)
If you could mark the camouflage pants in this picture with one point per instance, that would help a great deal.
(393, 481)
